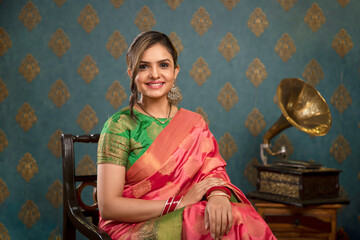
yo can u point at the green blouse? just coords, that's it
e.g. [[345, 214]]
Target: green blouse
[[123, 141]]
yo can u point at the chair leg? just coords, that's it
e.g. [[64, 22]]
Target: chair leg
[[69, 231]]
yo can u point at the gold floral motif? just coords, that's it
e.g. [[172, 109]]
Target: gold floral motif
[[4, 191], [117, 3], [258, 22], [59, 43], [229, 47], [88, 18], [250, 171], [256, 72], [145, 19], [342, 43], [314, 17], [54, 144], [5, 42], [59, 3], [340, 149], [142, 188], [27, 167], [30, 16], [200, 71], [201, 111], [55, 194], [287, 4], [201, 21], [86, 166], [116, 44], [26, 117], [3, 91], [29, 68], [255, 122], [230, 4], [116, 94], [88, 69], [29, 213], [3, 141], [135, 146], [173, 4], [87, 119], [4, 234], [343, 3], [227, 97], [55, 234], [176, 41], [285, 47], [59, 93], [341, 98], [313, 73], [227, 146], [153, 130], [283, 140]]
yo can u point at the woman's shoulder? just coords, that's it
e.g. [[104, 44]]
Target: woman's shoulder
[[120, 121]]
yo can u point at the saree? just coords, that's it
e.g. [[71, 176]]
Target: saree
[[183, 154]]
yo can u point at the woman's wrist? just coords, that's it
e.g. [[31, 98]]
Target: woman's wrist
[[218, 193], [171, 204]]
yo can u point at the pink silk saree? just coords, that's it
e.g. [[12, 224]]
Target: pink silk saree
[[184, 153]]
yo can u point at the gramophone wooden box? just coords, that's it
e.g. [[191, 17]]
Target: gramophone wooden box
[[297, 186]]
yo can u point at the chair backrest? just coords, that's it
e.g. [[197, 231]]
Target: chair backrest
[[76, 213]]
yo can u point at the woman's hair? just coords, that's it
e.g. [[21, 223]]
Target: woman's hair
[[141, 43]]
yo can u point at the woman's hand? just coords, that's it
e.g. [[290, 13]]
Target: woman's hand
[[218, 216], [198, 190]]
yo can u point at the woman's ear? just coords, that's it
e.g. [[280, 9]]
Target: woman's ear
[[177, 70], [129, 72]]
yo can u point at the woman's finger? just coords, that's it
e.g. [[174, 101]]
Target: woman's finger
[[230, 221], [206, 219]]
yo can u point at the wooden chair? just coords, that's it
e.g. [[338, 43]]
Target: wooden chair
[[76, 213]]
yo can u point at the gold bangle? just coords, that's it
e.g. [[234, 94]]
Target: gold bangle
[[218, 194]]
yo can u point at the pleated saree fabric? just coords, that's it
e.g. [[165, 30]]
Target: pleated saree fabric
[[184, 153]]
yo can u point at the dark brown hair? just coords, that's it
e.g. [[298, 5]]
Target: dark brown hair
[[141, 43]]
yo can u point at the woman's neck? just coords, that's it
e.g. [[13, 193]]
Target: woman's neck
[[157, 107]]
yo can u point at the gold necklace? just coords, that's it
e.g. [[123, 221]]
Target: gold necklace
[[162, 122]]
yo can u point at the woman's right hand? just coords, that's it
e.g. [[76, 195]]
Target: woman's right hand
[[198, 190]]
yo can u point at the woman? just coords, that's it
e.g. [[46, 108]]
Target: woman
[[160, 174]]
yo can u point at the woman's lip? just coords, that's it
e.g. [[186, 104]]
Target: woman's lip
[[155, 85]]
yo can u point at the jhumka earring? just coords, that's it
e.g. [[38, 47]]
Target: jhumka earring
[[175, 95]]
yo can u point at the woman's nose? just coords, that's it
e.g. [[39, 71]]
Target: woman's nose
[[154, 73]]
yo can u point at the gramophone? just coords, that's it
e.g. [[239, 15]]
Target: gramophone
[[293, 181]]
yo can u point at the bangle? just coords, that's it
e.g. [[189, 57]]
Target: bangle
[[221, 188], [218, 194], [166, 206], [175, 203], [171, 204]]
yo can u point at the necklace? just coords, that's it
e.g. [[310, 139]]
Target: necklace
[[162, 122]]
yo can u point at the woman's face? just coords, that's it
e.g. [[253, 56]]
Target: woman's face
[[156, 73]]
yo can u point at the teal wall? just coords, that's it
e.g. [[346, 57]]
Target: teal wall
[[43, 187]]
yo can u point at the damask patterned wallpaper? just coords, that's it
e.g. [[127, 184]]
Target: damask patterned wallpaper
[[62, 70]]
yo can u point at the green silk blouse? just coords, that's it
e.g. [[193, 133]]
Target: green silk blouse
[[123, 141]]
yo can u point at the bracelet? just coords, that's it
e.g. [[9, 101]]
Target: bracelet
[[171, 204], [218, 194], [221, 188]]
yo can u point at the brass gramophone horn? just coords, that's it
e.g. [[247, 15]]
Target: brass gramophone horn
[[303, 107]]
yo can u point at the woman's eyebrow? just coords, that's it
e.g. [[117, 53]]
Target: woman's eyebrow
[[163, 60]]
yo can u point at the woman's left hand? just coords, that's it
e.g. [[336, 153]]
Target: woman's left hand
[[218, 216]]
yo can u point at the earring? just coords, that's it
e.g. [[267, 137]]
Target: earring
[[174, 96]]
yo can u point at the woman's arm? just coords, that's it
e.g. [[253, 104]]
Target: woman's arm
[[110, 186]]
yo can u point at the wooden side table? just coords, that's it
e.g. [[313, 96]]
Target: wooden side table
[[293, 222]]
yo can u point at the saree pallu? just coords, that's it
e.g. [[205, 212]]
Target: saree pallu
[[183, 154]]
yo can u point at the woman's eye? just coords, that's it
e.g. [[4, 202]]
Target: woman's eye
[[142, 67], [164, 65]]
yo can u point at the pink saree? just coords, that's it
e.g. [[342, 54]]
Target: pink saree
[[184, 153]]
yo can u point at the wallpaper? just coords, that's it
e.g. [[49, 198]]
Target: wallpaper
[[63, 70]]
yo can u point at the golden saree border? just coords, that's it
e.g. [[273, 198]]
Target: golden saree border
[[163, 146]]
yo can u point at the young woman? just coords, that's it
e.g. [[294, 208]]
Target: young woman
[[160, 174]]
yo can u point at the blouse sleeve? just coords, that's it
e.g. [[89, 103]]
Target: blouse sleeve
[[114, 144]]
